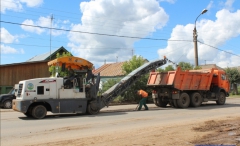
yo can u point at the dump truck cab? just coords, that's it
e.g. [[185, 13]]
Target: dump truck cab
[[220, 80]]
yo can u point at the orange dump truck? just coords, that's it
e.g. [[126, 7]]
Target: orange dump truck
[[188, 88]]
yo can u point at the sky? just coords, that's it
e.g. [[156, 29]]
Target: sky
[[114, 30]]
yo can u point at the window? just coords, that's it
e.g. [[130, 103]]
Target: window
[[40, 90], [223, 77]]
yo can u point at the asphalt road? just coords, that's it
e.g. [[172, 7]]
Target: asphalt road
[[16, 129]]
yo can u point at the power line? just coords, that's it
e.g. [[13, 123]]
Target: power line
[[93, 33], [219, 49]]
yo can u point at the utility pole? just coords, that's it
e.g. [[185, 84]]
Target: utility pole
[[195, 38], [117, 59], [51, 37], [132, 52]]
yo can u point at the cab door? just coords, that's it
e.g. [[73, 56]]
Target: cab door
[[224, 83]]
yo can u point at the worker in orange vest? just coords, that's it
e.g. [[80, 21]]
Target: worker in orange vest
[[143, 101]]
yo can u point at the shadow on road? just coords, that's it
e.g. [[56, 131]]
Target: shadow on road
[[210, 106], [63, 116]]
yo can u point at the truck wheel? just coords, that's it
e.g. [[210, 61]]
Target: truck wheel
[[196, 99], [183, 101], [155, 100], [92, 109], [7, 104], [175, 104], [159, 102], [221, 99], [39, 111]]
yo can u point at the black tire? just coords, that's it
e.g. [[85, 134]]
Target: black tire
[[196, 99], [159, 102], [92, 109], [183, 101], [39, 112], [155, 100], [29, 112], [7, 104], [221, 99], [175, 103]]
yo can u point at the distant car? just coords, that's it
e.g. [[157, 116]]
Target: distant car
[[6, 99]]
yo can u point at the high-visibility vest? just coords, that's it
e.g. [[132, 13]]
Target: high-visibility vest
[[143, 93]]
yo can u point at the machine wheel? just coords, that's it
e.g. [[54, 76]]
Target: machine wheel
[[29, 112], [183, 101], [196, 99], [39, 111], [221, 99], [7, 104], [92, 109]]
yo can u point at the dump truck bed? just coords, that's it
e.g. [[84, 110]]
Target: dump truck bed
[[182, 80]]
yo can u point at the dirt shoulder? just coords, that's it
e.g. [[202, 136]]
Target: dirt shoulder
[[224, 130]]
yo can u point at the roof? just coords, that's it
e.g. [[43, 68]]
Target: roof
[[46, 56], [207, 66], [110, 70], [73, 62]]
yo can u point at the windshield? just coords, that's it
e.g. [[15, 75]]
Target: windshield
[[12, 91]]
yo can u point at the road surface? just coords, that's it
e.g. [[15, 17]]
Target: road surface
[[116, 125]]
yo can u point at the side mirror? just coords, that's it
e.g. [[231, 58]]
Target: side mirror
[[63, 67]]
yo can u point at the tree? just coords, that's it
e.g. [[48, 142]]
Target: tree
[[233, 76], [169, 68], [128, 67], [109, 83], [53, 69], [187, 66]]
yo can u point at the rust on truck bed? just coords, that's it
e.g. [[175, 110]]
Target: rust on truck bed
[[183, 80]]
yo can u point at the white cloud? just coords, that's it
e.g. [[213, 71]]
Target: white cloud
[[6, 37], [43, 22], [128, 18], [17, 5], [30, 28], [9, 50], [228, 4], [32, 3], [215, 33], [14, 5]]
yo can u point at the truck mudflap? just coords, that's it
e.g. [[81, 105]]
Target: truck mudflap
[[20, 106]]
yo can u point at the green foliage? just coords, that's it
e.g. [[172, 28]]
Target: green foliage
[[128, 67], [132, 64], [188, 66], [185, 65], [54, 69], [197, 67], [160, 70], [233, 77], [169, 68], [109, 83]]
